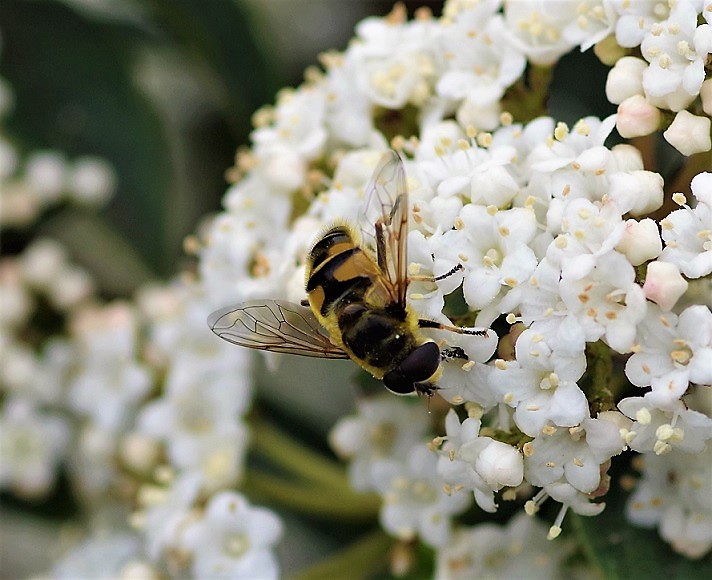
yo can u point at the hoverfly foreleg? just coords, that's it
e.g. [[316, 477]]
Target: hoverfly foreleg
[[452, 271], [452, 352], [422, 323]]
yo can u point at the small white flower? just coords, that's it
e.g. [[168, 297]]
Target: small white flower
[[541, 385], [297, 128], [92, 461], [607, 302], [517, 550], [573, 455], [672, 352], [32, 444], [478, 464], [164, 513], [198, 418], [102, 555], [384, 429], [414, 501], [689, 133], [109, 381], [687, 233], [481, 64], [675, 494], [396, 60], [92, 181], [42, 262], [46, 173], [662, 430], [233, 540], [495, 249], [671, 48], [589, 231], [545, 30], [664, 285]]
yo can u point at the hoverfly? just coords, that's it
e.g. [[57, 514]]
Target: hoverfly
[[356, 285]]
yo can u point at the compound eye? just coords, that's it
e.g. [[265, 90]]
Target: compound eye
[[396, 382], [422, 363]]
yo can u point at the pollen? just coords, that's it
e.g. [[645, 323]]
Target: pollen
[[680, 199], [561, 131], [550, 464], [549, 430], [643, 416]]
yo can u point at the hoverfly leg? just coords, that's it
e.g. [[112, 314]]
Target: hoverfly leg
[[304, 302], [452, 352], [452, 271], [422, 323]]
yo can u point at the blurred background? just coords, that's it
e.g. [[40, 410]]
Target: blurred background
[[164, 91]]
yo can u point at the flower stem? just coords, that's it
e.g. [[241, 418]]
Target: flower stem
[[297, 459], [315, 501], [359, 560], [600, 373]]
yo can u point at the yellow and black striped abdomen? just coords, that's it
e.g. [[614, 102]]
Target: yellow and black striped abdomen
[[338, 271]]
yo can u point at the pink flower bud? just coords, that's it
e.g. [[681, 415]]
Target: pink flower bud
[[637, 117], [664, 284]]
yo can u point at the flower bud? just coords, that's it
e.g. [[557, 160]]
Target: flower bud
[[637, 192], [46, 172], [625, 79], [42, 262], [689, 133], [641, 241], [92, 181], [706, 96], [664, 284], [637, 117], [500, 464]]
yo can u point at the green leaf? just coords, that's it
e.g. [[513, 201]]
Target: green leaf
[[222, 34], [620, 550], [74, 91]]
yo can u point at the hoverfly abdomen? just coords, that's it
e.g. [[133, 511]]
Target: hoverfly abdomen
[[332, 243], [377, 339]]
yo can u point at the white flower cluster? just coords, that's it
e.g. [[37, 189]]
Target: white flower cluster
[[551, 229], [138, 400]]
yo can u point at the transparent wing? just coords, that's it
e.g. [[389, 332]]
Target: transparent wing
[[274, 325], [384, 222]]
